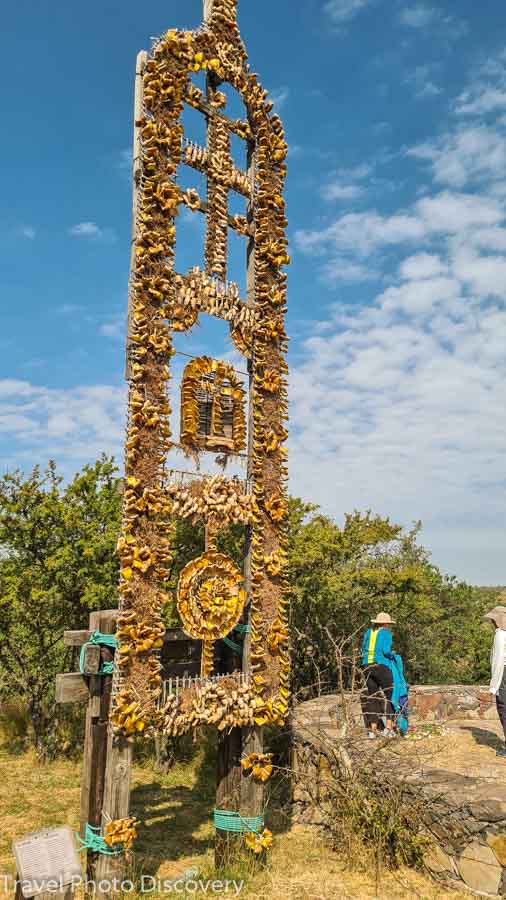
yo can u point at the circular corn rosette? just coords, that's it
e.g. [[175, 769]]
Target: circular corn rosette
[[210, 596]]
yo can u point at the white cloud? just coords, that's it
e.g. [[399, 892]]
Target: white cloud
[[398, 403], [279, 96], [486, 275], [342, 11], [341, 269], [28, 232], [399, 408], [418, 16], [467, 155], [419, 297], [490, 238], [114, 329], [346, 184], [455, 212], [336, 191], [92, 231], [479, 102], [85, 229], [363, 233], [420, 266], [487, 93], [72, 425], [70, 309]]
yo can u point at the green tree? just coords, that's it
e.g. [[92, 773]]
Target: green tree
[[58, 563]]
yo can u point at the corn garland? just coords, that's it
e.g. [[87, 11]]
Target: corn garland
[[226, 704], [214, 499]]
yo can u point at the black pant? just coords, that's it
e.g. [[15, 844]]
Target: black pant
[[377, 698], [500, 699]]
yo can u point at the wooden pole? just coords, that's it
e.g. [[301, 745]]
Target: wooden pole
[[228, 786], [228, 766], [252, 792], [119, 750], [116, 804], [95, 740], [136, 172]]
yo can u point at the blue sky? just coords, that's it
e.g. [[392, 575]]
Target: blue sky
[[395, 113]]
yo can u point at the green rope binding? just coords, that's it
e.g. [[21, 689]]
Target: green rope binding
[[227, 820], [237, 648], [106, 640], [94, 842], [242, 629]]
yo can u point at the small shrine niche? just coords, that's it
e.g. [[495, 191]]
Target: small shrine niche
[[212, 407]]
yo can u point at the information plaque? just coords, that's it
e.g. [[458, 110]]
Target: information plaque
[[47, 861]]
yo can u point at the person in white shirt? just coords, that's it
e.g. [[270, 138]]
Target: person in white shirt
[[498, 666]]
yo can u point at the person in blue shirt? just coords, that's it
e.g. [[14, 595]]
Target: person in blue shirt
[[377, 660]]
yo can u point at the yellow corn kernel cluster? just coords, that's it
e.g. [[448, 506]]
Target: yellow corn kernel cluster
[[121, 832], [258, 842], [259, 765], [127, 715]]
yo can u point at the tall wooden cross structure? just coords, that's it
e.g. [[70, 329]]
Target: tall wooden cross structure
[[216, 599]]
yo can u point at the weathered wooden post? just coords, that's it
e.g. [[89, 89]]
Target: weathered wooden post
[[119, 752], [96, 689]]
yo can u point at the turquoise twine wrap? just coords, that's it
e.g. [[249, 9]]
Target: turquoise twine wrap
[[237, 648], [227, 820], [106, 640], [242, 629], [94, 842]]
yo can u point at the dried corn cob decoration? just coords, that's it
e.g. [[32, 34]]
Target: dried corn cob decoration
[[224, 383], [210, 596], [121, 832], [163, 302], [259, 765], [225, 704], [258, 842], [215, 499], [219, 171]]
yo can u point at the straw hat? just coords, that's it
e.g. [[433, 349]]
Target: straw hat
[[498, 615], [384, 619]]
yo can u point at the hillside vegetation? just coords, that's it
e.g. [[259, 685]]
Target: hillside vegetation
[[58, 563]]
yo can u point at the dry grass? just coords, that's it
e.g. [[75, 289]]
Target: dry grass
[[176, 833]]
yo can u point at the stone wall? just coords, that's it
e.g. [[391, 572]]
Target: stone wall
[[465, 814], [435, 703]]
